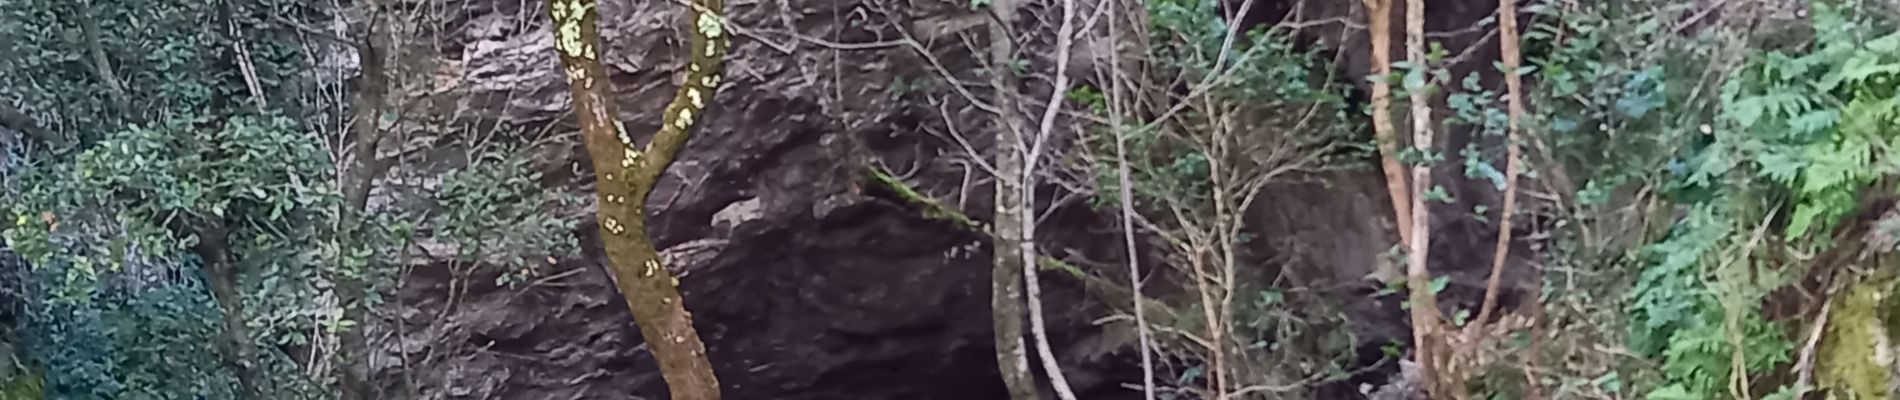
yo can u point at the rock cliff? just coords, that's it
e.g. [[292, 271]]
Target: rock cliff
[[807, 280]]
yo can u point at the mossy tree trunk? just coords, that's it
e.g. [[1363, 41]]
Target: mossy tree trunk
[[626, 173]]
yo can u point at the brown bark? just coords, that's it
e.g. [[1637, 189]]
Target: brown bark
[[221, 272], [1513, 86], [15, 119], [102, 65], [367, 107], [626, 175], [1379, 19]]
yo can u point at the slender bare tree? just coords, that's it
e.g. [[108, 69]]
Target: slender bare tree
[[1424, 304], [1513, 89], [1037, 145], [1006, 274], [1117, 106]]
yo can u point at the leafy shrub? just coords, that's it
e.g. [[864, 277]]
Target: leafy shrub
[[123, 309], [494, 210]]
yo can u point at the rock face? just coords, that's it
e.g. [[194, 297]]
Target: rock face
[[806, 281]]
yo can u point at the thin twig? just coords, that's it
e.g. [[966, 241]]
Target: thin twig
[[838, 45], [1804, 366]]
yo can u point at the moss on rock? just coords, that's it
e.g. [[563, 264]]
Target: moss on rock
[[1857, 353]]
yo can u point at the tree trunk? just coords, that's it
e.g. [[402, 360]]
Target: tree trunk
[[1006, 274], [213, 248], [1117, 98], [102, 65], [626, 174], [352, 287], [1513, 84], [1424, 303], [1379, 18], [1038, 328]]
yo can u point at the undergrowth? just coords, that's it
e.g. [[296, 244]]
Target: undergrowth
[[1740, 163]]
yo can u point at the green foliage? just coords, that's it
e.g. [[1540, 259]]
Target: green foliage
[[1758, 152], [1744, 143], [28, 385], [113, 299], [493, 210], [1699, 360], [1821, 123], [149, 330], [1262, 75], [119, 345], [1237, 116], [255, 171], [122, 300], [171, 58], [1616, 92], [1668, 293]]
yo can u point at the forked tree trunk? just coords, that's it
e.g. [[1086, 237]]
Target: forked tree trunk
[[625, 175]]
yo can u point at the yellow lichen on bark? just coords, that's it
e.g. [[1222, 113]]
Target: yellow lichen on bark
[[627, 173]]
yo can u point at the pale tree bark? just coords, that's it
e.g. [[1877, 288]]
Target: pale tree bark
[[1031, 281], [1117, 95], [1424, 303], [1006, 274], [626, 173]]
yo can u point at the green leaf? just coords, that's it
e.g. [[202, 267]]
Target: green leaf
[[1746, 112], [1438, 194], [1672, 392], [1803, 218], [1781, 166], [1814, 121], [1414, 81]]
